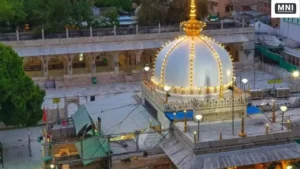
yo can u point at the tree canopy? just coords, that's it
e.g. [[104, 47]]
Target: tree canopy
[[119, 4], [49, 14], [21, 99], [152, 12]]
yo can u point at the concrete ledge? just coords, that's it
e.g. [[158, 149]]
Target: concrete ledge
[[122, 38]]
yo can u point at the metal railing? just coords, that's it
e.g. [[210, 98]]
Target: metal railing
[[21, 36]]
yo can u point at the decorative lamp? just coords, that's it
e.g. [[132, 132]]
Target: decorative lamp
[[167, 88], [146, 68], [283, 109], [296, 73], [199, 118], [185, 122], [244, 81]]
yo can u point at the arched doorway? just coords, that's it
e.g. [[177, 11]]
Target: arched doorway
[[79, 63], [104, 62], [148, 57], [56, 66], [33, 66]]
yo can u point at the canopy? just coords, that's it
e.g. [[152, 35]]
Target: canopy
[[93, 148], [81, 119], [252, 110], [180, 115]]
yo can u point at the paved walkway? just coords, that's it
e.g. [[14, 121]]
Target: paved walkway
[[100, 91], [16, 152]]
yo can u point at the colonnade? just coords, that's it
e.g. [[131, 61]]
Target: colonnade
[[88, 63]]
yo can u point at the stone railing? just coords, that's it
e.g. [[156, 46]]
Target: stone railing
[[194, 104], [206, 104], [151, 95], [21, 36]]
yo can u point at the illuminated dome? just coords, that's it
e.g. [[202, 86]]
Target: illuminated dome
[[193, 61]]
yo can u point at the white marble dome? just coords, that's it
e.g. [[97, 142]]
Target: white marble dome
[[193, 62]]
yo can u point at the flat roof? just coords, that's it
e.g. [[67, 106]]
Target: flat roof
[[185, 159], [120, 114]]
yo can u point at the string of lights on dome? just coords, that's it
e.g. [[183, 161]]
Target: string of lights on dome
[[192, 55], [193, 28], [217, 57], [167, 56]]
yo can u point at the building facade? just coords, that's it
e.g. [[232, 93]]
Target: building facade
[[289, 28], [104, 59]]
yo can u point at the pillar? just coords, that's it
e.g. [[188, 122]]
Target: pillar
[[69, 59], [116, 62], [138, 54], [92, 60], [45, 61]]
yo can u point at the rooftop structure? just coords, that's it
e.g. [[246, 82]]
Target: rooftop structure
[[193, 82]]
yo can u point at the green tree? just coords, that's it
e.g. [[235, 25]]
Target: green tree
[[153, 11], [53, 15], [21, 99], [12, 13], [119, 4], [81, 12]]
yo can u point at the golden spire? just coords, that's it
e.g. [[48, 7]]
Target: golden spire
[[193, 27], [193, 10]]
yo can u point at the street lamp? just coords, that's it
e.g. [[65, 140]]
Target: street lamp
[[167, 89], [283, 109], [296, 75], [174, 119], [289, 167], [199, 118], [146, 69], [244, 81], [232, 94], [52, 166], [185, 122], [273, 112]]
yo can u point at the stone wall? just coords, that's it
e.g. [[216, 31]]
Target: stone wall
[[86, 79]]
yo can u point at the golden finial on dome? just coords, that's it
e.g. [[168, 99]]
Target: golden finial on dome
[[193, 27]]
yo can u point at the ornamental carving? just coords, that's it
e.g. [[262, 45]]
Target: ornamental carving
[[200, 91], [191, 91]]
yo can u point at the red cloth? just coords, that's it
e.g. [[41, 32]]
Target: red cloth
[[45, 115]]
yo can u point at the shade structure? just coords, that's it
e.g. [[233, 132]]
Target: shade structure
[[92, 148], [180, 115], [253, 110], [81, 119]]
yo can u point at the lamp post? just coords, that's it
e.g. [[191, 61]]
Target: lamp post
[[244, 83], [52, 166], [185, 122], [273, 113], [146, 69], [174, 119], [296, 75], [242, 133], [166, 89], [283, 109], [199, 118], [232, 94]]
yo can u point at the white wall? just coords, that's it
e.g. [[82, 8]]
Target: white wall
[[290, 30]]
